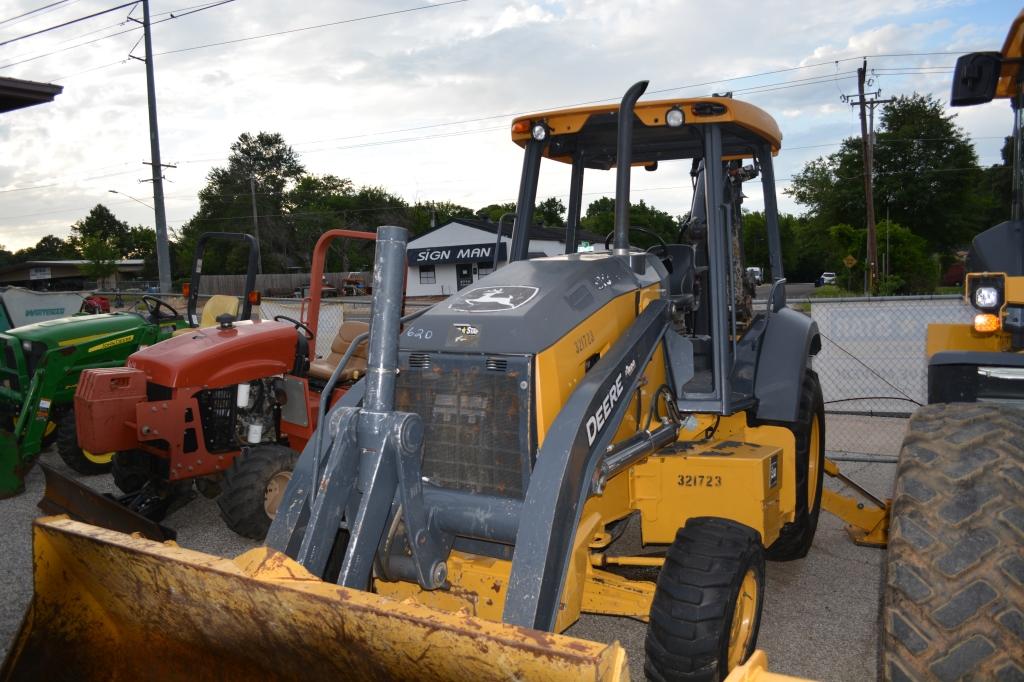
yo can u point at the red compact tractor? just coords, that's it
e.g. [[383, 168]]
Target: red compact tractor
[[228, 408]]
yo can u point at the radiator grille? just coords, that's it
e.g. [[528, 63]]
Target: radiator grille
[[217, 413], [476, 422]]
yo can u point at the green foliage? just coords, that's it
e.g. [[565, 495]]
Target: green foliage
[[926, 177], [600, 218], [226, 204], [101, 255], [47, 248], [550, 213], [755, 245], [493, 212]]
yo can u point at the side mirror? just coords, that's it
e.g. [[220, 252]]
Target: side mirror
[[975, 78]]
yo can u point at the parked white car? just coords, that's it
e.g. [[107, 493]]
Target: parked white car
[[827, 278]]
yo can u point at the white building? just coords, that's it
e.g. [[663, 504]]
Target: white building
[[453, 256]]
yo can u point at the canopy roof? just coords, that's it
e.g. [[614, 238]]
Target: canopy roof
[[592, 131]]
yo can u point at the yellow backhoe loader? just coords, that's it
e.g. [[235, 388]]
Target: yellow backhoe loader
[[460, 506]]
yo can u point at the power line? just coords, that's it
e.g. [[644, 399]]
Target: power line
[[67, 23], [171, 15], [310, 28], [38, 9]]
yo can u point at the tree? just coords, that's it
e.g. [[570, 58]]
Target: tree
[[422, 217], [493, 212], [600, 218], [926, 176], [47, 248], [101, 255], [225, 204], [550, 213], [101, 224]]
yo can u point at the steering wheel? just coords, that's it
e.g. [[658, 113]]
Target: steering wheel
[[298, 325], [153, 306], [650, 233]]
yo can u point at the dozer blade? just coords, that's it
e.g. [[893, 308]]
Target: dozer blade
[[114, 607], [65, 495]]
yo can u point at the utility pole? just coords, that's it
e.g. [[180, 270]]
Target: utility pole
[[163, 258], [256, 225], [867, 147]]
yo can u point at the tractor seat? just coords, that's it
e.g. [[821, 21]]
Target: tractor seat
[[681, 274], [356, 367], [216, 306]]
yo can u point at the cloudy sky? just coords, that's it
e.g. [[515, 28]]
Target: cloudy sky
[[417, 97]]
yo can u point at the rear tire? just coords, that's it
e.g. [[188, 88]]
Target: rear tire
[[954, 585], [795, 538], [130, 470], [80, 460], [707, 604], [253, 487]]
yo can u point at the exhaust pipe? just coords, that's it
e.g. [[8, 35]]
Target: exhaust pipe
[[623, 166]]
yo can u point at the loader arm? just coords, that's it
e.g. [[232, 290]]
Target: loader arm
[[566, 473]]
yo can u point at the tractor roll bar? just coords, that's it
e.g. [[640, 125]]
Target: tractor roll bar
[[316, 275], [197, 270]]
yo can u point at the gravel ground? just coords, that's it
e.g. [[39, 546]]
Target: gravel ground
[[820, 616]]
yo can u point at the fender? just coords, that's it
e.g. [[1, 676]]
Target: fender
[[790, 339]]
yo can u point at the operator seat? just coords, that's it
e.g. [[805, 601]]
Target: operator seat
[[216, 306], [356, 367], [682, 272]]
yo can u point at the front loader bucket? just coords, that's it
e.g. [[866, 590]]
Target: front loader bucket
[[115, 607]]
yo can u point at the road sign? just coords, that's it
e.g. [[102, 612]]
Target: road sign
[[849, 261]]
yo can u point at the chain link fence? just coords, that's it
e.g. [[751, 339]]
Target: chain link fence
[[872, 365]]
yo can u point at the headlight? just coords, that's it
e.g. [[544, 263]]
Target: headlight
[[26, 346], [539, 132], [986, 297], [674, 117]]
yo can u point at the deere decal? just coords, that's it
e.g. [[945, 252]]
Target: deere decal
[[113, 342]]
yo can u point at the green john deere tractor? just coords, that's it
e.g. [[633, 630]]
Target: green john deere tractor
[[40, 365]]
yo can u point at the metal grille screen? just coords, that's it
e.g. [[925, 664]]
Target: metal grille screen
[[474, 418]]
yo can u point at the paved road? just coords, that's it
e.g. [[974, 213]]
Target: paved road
[[794, 291], [820, 617]]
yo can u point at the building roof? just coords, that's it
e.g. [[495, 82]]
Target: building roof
[[16, 93], [124, 263], [538, 232]]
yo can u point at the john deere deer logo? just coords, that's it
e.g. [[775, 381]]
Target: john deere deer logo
[[493, 299]]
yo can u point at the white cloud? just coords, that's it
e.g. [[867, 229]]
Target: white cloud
[[346, 96]]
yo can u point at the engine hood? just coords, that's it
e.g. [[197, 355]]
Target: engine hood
[[528, 305], [78, 329], [215, 357]]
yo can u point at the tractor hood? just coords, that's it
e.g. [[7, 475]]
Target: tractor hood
[[528, 305], [216, 357], [78, 329]]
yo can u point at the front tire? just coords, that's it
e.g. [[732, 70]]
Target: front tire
[[130, 470], [707, 604], [795, 538], [254, 486], [954, 585], [82, 461]]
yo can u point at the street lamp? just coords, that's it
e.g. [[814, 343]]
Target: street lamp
[[114, 191]]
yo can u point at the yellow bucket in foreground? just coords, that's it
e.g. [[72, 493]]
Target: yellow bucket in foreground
[[116, 607]]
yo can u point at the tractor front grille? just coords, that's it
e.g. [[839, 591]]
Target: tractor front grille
[[476, 415]]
